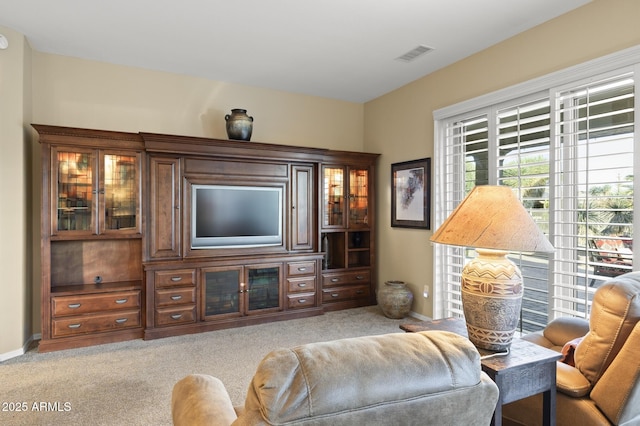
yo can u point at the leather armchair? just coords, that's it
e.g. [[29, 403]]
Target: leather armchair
[[432, 377], [603, 388]]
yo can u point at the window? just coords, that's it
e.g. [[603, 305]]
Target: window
[[567, 151]]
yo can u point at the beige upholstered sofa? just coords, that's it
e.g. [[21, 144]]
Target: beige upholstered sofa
[[428, 378], [603, 388]]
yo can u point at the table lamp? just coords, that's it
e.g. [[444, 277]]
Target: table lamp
[[494, 222]]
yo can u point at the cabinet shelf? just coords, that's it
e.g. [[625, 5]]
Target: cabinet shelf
[[64, 290]]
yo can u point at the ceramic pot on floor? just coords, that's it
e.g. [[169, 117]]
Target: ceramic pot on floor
[[395, 299]]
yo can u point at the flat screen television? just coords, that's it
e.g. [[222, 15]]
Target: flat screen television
[[236, 216]]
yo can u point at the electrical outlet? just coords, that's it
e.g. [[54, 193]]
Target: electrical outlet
[[425, 292]]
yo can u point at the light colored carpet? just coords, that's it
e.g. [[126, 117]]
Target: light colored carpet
[[130, 383]]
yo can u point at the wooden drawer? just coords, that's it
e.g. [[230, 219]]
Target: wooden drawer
[[175, 277], [95, 323], [175, 296], [338, 279], [296, 301], [301, 285], [176, 315], [90, 303], [345, 293], [301, 268]]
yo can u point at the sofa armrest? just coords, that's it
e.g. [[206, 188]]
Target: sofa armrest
[[570, 381], [564, 329], [558, 332], [199, 399]]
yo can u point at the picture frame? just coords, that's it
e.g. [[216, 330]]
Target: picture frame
[[411, 194]]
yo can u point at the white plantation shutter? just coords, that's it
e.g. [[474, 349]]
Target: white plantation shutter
[[523, 141], [465, 163], [568, 153], [594, 170]]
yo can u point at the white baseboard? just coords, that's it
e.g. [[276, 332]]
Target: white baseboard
[[8, 355], [419, 316]]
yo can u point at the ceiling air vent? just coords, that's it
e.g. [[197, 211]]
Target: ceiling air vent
[[414, 53]]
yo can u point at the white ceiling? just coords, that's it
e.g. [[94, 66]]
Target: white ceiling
[[340, 49]]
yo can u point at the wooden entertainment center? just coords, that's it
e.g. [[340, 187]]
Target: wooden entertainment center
[[124, 255]]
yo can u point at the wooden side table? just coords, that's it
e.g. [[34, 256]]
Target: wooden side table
[[527, 370]]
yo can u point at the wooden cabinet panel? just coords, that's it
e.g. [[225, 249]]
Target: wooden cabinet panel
[[301, 268], [338, 279], [175, 296], [301, 285], [164, 222], [298, 301], [76, 305], [94, 323], [175, 277], [302, 230], [176, 315], [337, 294]]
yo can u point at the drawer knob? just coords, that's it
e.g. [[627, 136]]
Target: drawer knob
[[176, 316], [302, 300], [74, 326], [359, 277], [335, 280], [302, 269], [335, 294], [121, 320], [74, 305], [302, 285], [176, 297], [176, 279], [121, 301]]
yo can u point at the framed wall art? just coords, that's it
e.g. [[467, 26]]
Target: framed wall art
[[411, 194]]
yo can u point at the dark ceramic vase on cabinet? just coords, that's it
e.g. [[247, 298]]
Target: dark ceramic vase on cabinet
[[239, 125]]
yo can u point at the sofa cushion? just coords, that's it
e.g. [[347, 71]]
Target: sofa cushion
[[614, 313], [321, 379]]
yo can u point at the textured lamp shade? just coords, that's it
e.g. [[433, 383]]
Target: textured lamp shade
[[492, 220], [492, 217]]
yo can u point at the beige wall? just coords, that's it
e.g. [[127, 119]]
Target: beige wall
[[80, 93], [400, 124], [15, 307]]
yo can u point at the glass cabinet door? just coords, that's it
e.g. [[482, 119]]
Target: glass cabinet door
[[96, 192], [75, 190], [333, 197], [358, 197], [222, 291], [120, 200], [240, 290], [263, 290]]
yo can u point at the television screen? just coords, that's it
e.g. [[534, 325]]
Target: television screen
[[232, 216]]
